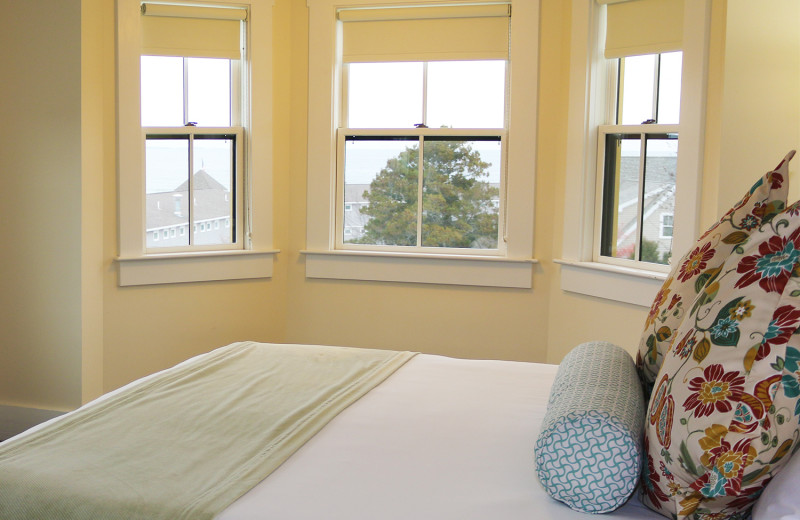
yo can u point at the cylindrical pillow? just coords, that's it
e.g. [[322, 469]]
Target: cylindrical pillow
[[588, 454]]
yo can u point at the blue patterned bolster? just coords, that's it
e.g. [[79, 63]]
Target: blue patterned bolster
[[588, 453]]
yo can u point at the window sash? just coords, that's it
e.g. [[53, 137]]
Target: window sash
[[601, 214], [238, 216], [420, 134]]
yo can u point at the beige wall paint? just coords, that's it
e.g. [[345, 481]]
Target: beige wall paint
[[67, 325], [760, 114], [96, 108], [40, 203]]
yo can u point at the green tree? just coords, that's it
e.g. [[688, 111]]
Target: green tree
[[650, 252], [457, 205]]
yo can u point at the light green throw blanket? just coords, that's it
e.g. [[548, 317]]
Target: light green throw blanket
[[189, 441]]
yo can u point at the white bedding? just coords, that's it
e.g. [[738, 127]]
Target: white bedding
[[441, 439]]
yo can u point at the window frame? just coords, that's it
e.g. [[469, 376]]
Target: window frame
[[420, 133], [237, 190], [602, 131], [324, 260], [136, 265], [590, 83]]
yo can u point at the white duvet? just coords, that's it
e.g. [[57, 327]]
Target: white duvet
[[442, 438]]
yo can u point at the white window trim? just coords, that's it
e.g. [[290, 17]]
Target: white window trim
[[136, 267], [587, 110], [324, 261]]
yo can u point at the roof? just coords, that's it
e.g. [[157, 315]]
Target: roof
[[211, 201]]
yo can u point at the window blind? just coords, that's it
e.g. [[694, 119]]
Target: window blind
[[463, 32], [183, 30], [636, 27]]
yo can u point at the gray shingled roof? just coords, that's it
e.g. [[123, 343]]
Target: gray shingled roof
[[211, 200]]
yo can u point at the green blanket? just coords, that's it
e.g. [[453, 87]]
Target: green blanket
[[189, 441]]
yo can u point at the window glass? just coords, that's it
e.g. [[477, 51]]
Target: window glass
[[650, 89], [173, 201], [166, 188], [661, 161], [621, 195], [385, 95], [461, 194], [209, 91], [636, 91], [162, 91], [381, 179], [212, 180], [466, 94], [636, 195], [669, 88]]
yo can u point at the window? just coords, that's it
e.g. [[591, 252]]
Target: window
[[666, 225], [414, 174], [190, 113], [638, 158], [639, 75], [186, 123]]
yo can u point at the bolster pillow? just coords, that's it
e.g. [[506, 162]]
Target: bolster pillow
[[588, 454]]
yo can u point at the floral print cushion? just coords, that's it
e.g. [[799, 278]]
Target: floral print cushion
[[692, 272], [725, 414]]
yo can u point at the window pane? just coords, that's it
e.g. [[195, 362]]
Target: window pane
[[381, 179], [466, 94], [635, 103], [162, 91], [166, 191], [385, 95], [669, 88], [461, 198], [209, 92], [659, 197], [212, 181], [620, 195]]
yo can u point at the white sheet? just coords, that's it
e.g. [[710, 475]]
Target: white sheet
[[441, 439]]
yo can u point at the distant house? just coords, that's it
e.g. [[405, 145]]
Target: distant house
[[658, 207], [168, 214], [354, 220]]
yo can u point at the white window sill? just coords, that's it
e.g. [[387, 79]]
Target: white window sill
[[165, 268], [622, 284], [484, 271]]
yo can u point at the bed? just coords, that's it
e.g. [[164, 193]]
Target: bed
[[439, 438]]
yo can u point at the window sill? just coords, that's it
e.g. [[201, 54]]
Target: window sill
[[621, 284], [483, 271], [166, 268]]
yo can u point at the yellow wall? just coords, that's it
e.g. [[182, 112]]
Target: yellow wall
[[69, 332], [40, 203]]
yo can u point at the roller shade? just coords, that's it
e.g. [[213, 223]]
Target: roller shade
[[178, 30], [636, 27], [464, 32]]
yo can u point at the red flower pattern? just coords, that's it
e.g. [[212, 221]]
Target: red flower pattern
[[714, 391], [696, 261]]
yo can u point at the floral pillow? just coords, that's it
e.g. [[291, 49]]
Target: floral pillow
[[693, 271], [725, 414]]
